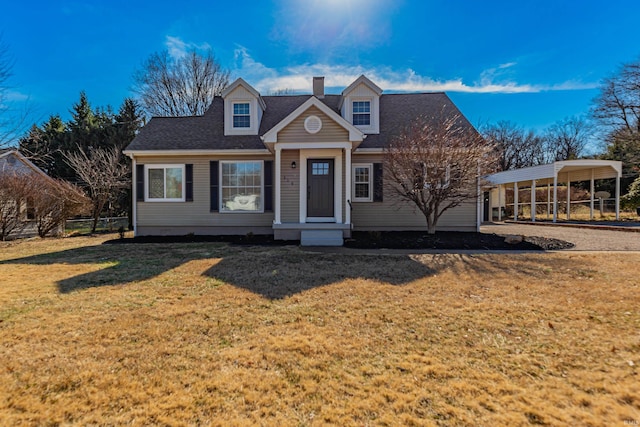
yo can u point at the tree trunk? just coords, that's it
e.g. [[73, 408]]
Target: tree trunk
[[431, 224]]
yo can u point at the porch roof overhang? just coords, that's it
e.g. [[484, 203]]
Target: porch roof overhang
[[562, 171], [356, 136]]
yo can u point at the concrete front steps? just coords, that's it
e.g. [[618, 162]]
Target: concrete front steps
[[321, 238]]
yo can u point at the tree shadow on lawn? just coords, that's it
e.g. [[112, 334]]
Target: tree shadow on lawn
[[279, 274], [122, 264], [273, 272]]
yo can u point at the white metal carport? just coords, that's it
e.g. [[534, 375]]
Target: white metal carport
[[551, 174]]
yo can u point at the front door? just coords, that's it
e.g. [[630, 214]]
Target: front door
[[320, 188]]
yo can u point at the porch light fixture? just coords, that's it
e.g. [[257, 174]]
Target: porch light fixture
[[293, 164]]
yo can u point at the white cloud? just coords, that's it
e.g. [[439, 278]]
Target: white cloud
[[178, 48], [298, 78]]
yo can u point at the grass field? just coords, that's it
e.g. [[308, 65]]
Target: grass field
[[209, 334]]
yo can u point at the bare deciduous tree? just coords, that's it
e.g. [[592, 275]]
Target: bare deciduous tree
[[516, 147], [53, 201], [103, 175], [617, 110], [436, 163], [182, 86], [567, 139], [618, 104]]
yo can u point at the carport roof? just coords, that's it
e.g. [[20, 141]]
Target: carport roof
[[565, 171]]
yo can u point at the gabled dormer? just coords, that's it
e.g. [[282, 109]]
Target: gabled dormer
[[243, 108], [360, 105]]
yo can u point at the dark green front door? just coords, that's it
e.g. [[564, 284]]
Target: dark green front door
[[320, 188]]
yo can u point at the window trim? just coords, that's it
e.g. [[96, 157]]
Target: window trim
[[233, 115], [164, 167], [440, 185], [353, 182], [221, 206], [362, 99]]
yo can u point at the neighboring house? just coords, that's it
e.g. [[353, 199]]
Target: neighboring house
[[13, 162], [303, 167]]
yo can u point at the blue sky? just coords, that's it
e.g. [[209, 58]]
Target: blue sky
[[531, 62]]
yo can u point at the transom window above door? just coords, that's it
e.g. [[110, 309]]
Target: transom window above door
[[320, 168]]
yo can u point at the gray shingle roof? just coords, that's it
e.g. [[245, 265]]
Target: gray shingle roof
[[207, 131]]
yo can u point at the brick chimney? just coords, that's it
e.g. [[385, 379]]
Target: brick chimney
[[318, 87]]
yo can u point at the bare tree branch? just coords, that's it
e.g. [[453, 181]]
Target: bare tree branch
[[102, 173], [179, 87], [54, 201], [436, 163], [567, 139]]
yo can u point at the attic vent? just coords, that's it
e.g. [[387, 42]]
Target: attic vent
[[313, 124]]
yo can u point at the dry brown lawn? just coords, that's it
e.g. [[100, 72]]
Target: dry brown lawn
[[210, 334]]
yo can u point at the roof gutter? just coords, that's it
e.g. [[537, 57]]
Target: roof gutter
[[234, 152]]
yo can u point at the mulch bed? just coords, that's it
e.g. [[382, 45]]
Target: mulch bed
[[380, 240], [449, 240]]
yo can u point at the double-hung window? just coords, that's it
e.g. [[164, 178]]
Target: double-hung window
[[241, 186], [362, 182], [241, 115], [361, 113], [165, 183], [432, 176]]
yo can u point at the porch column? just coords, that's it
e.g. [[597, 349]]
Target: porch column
[[515, 201], [347, 185], [591, 190], [618, 197], [533, 200], [568, 197], [555, 196], [277, 219]]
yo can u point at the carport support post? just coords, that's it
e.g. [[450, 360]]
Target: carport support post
[[568, 197], [592, 189], [515, 201], [548, 199], [618, 197], [555, 197], [499, 202], [533, 201]]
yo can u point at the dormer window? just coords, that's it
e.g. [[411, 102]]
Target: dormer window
[[243, 109], [361, 113], [241, 115], [360, 105]]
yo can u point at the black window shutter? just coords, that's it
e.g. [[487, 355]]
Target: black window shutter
[[189, 183], [140, 183], [377, 182], [213, 184], [268, 185]]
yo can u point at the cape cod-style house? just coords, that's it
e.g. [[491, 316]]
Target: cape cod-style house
[[305, 167]]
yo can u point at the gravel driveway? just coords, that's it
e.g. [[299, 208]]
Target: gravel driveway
[[585, 239]]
